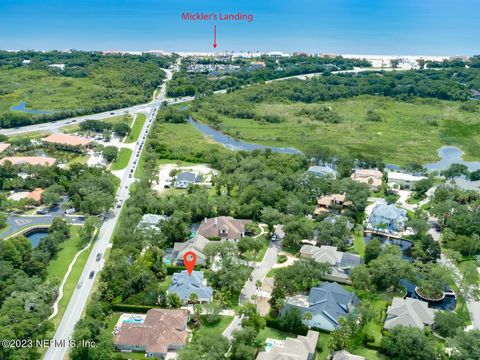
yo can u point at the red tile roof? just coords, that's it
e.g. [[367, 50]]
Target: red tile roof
[[64, 139]]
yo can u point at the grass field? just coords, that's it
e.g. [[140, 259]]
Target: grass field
[[72, 128], [272, 333], [136, 128], [122, 161], [59, 265], [407, 130], [214, 329]]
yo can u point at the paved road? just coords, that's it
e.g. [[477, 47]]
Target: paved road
[[81, 295]]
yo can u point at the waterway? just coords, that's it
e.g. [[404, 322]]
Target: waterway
[[451, 155], [22, 107], [448, 303], [234, 144], [35, 236]]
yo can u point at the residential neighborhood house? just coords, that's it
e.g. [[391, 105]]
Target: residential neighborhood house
[[301, 348], [183, 284], [388, 218], [345, 355], [184, 179], [409, 312], [403, 180], [371, 177], [223, 227], [322, 170], [151, 222], [327, 303], [195, 245], [342, 262], [334, 203], [162, 331]]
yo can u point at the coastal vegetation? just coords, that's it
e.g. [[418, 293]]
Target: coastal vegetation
[[86, 82]]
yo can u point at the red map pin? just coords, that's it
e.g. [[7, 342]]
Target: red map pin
[[189, 259]]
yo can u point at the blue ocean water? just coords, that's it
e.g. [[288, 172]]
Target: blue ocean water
[[427, 27]]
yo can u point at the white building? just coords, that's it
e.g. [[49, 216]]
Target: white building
[[403, 180]]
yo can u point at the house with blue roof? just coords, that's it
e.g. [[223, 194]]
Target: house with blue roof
[[183, 284], [388, 218], [327, 304]]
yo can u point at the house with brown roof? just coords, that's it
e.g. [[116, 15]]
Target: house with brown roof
[[67, 142], [223, 227], [371, 177], [35, 195], [4, 146], [31, 160], [160, 332], [334, 203]]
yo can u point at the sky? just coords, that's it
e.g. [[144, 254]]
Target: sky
[[390, 27]]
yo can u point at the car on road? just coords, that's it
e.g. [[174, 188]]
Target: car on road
[[99, 256], [130, 175], [42, 212], [92, 274], [80, 283], [112, 113]]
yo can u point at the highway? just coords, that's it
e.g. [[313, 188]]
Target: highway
[[81, 294]]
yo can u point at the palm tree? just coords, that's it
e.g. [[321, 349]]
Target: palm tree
[[193, 298], [308, 316]]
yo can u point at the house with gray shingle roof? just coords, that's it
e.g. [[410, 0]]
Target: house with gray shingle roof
[[345, 355], [151, 222], [184, 179], [195, 245], [301, 348], [342, 262], [322, 170], [409, 312], [327, 303], [183, 284], [387, 218]]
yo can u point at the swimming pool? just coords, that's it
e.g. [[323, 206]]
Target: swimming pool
[[133, 321]]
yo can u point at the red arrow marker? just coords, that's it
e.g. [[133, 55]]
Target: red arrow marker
[[189, 259], [214, 36]]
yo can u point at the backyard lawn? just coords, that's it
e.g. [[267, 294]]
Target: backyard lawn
[[214, 329], [136, 128], [122, 160], [272, 333]]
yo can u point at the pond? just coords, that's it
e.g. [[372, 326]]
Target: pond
[[448, 303], [234, 144], [22, 107], [451, 155], [405, 245], [35, 235]]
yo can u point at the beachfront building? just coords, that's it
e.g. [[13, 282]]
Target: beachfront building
[[161, 333], [371, 177], [403, 180], [29, 160], [327, 303], [388, 218], [342, 263], [184, 284], [299, 348], [223, 227], [67, 142]]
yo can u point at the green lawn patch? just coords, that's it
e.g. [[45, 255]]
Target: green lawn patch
[[272, 333], [359, 243], [136, 128], [72, 280], [166, 282], [218, 328], [122, 160]]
